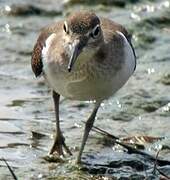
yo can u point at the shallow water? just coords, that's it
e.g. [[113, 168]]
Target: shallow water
[[141, 107]]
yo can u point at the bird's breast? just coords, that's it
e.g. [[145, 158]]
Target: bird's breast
[[89, 79]]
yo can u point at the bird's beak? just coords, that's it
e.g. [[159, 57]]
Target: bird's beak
[[75, 49]]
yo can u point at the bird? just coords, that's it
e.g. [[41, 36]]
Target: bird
[[83, 57]]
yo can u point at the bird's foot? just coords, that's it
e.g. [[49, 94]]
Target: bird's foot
[[59, 145], [58, 150], [55, 158]]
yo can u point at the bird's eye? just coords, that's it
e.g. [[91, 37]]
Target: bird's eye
[[96, 32], [65, 27]]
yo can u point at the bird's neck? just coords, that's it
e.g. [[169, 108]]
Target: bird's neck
[[85, 56]]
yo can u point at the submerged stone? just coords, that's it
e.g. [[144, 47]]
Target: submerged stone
[[29, 10], [165, 79], [120, 3], [145, 40], [152, 106]]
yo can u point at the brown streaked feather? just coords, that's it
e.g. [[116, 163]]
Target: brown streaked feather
[[81, 27], [36, 60], [82, 22]]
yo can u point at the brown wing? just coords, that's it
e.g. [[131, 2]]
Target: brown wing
[[113, 26], [36, 60], [106, 23]]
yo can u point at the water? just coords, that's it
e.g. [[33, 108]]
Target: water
[[141, 107]]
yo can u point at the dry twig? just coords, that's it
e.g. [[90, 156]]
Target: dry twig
[[129, 148], [157, 169], [10, 169]]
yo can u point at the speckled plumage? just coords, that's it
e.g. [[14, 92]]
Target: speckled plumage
[[81, 24], [56, 27], [85, 57]]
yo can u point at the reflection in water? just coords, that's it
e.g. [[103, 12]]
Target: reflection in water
[[151, 70], [166, 108], [7, 8]]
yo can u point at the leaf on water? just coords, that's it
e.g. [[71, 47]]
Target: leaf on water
[[17, 102], [37, 135], [141, 139]]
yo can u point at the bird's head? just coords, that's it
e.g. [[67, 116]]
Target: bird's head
[[82, 33]]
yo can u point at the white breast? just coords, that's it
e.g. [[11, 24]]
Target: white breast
[[130, 59], [45, 50], [77, 85]]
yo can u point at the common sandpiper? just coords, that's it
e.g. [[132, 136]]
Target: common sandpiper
[[84, 57]]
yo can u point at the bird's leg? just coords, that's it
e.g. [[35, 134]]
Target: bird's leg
[[59, 142], [88, 126]]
